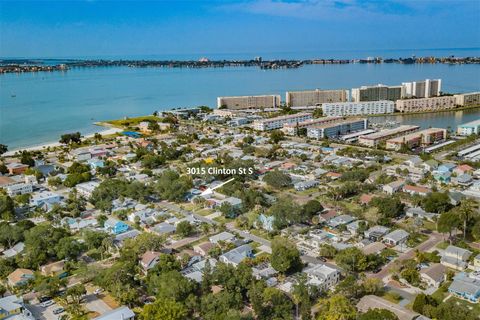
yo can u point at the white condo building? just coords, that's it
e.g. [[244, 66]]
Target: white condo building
[[422, 89], [278, 122], [341, 109]]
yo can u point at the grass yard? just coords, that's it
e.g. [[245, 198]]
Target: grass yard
[[124, 123]]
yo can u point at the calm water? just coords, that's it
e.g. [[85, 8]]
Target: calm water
[[49, 104]]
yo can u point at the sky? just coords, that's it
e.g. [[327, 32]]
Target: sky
[[95, 28]]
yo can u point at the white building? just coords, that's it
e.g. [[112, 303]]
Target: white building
[[19, 188], [341, 109], [322, 276], [422, 89], [86, 188], [469, 128], [278, 122], [45, 197]]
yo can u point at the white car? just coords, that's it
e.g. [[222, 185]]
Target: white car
[[47, 303], [97, 291]]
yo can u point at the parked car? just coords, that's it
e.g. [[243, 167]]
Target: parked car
[[47, 303], [58, 310], [43, 299], [98, 291]]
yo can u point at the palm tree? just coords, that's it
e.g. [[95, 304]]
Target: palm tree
[[467, 211]]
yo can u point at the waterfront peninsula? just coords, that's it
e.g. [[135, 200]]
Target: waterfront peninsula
[[25, 65]]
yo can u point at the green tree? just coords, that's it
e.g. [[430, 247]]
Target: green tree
[[336, 308], [437, 202], [276, 136], [352, 259], [467, 213], [448, 222], [285, 256], [7, 207], [184, 229], [166, 309], [311, 208], [277, 179], [3, 149]]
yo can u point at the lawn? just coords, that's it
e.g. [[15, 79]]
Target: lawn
[[443, 245], [122, 123]]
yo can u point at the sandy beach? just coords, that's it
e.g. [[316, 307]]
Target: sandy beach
[[56, 144]]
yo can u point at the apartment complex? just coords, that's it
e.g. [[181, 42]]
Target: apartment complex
[[426, 104], [377, 93], [422, 89], [416, 139], [468, 99], [292, 128], [337, 129], [469, 128], [249, 102], [278, 122], [372, 140], [341, 109], [314, 97]]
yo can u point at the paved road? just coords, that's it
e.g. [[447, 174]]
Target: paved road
[[434, 239]]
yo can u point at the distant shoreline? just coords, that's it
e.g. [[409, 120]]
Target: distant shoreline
[[32, 65]]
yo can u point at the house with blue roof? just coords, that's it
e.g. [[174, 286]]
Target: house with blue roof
[[465, 287], [115, 226], [446, 167], [236, 256]]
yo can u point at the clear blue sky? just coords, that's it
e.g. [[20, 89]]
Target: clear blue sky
[[101, 28]]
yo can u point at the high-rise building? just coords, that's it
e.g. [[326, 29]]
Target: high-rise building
[[377, 93], [342, 109], [249, 102], [422, 89], [314, 97]]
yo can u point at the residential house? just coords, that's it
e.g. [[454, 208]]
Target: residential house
[[322, 276], [203, 248], [465, 287], [376, 233], [463, 169], [413, 190], [237, 255], [16, 168], [149, 260], [373, 248], [13, 307], [120, 313], [20, 277], [396, 237], [266, 221], [455, 257], [434, 275], [305, 185], [393, 187], [464, 180], [415, 161], [222, 236], [164, 228], [45, 197], [115, 226], [446, 167], [341, 220], [86, 189], [417, 212], [476, 262], [430, 165], [53, 269], [13, 251]]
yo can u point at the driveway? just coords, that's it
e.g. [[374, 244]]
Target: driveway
[[434, 239], [41, 313], [95, 304]]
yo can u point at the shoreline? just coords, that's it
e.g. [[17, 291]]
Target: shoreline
[[40, 147]]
